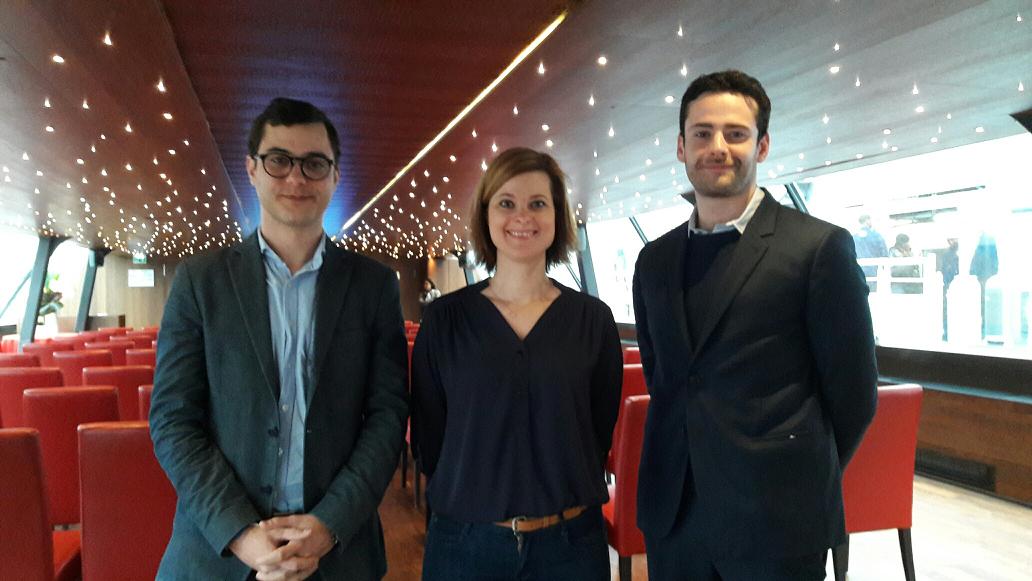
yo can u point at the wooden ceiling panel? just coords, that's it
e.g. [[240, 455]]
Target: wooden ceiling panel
[[390, 74], [85, 141], [967, 57]]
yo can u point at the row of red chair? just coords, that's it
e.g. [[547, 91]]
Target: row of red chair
[[126, 510], [125, 379], [877, 486]]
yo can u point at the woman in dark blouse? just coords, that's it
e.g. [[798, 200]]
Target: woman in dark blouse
[[516, 388]]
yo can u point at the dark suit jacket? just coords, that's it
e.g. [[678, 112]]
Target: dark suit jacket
[[752, 424], [213, 414]]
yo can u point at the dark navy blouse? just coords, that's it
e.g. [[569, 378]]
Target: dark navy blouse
[[506, 427]]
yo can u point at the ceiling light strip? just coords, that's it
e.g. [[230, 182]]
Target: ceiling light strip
[[462, 115]]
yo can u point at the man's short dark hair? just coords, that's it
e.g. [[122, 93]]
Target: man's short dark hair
[[284, 111], [729, 82]]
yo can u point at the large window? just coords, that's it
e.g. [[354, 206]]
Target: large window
[[662, 220], [16, 260], [63, 289], [952, 272], [614, 248]]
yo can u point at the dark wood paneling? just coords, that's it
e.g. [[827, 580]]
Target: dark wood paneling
[[992, 431]]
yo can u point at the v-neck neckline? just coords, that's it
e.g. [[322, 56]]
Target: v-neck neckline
[[505, 322]]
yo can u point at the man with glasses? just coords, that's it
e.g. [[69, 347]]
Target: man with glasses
[[279, 399]]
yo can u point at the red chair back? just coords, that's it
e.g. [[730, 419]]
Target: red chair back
[[26, 543], [146, 356], [77, 343], [91, 336], [19, 360], [633, 384], [113, 331], [56, 413], [631, 355], [71, 363], [117, 347], [143, 401], [141, 339], [45, 351], [878, 483], [15, 380], [621, 511], [128, 379], [127, 502]]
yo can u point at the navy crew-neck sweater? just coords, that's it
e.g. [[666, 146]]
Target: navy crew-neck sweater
[[707, 258]]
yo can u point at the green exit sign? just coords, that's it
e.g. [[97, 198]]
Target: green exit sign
[[139, 259]]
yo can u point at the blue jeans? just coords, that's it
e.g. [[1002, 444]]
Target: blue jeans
[[573, 550]]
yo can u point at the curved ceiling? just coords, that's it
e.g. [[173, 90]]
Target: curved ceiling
[[93, 149], [934, 74], [113, 170]]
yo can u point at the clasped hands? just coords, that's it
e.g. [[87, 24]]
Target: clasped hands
[[283, 548]]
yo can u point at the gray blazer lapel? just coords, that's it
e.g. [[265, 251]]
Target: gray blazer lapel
[[247, 276], [675, 286], [330, 291], [746, 255]]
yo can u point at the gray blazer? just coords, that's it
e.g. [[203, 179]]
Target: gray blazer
[[213, 411], [754, 421]]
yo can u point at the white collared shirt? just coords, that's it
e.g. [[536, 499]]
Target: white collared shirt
[[738, 223]]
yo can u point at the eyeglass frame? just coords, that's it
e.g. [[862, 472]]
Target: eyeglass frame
[[299, 161]]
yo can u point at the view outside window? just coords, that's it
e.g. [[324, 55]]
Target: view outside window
[[564, 274], [16, 260], [62, 290], [945, 240], [614, 248], [658, 222]]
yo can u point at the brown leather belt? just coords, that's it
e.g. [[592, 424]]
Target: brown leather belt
[[522, 524]]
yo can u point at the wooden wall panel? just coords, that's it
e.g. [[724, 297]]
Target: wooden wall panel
[[993, 431], [142, 307]]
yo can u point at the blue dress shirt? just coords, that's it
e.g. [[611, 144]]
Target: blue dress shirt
[[292, 318]]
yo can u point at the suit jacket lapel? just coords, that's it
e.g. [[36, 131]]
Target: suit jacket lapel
[[747, 254], [247, 276], [330, 290], [675, 285]]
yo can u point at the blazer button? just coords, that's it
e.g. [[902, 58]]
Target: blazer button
[[274, 432], [267, 489]]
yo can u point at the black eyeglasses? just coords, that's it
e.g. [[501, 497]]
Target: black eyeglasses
[[279, 165]]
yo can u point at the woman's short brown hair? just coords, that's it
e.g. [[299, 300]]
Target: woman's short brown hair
[[509, 164]]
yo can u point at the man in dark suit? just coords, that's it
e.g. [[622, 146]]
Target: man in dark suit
[[279, 399], [757, 346]]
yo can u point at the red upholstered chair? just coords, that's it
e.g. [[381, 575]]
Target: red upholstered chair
[[141, 339], [631, 355], [15, 380], [74, 340], [117, 347], [56, 413], [45, 351], [128, 379], [143, 394], [633, 384], [113, 331], [9, 344], [127, 502], [29, 549], [91, 336], [621, 512], [71, 363], [878, 483], [146, 356], [19, 360]]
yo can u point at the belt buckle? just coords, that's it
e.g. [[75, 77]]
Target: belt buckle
[[516, 520]]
